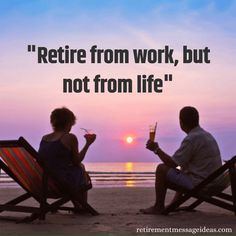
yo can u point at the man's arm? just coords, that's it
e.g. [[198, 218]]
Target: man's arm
[[153, 146], [165, 158]]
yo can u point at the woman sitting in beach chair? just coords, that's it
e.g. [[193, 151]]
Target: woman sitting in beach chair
[[60, 155]]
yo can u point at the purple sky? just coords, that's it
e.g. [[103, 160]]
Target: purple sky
[[30, 91]]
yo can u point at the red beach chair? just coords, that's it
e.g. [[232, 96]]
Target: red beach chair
[[19, 160]]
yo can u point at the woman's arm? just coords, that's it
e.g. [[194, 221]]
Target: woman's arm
[[72, 142]]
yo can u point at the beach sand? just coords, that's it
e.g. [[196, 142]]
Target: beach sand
[[119, 214]]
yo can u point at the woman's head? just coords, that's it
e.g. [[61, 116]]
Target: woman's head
[[62, 118]]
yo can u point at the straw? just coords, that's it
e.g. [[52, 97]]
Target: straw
[[155, 127], [86, 130]]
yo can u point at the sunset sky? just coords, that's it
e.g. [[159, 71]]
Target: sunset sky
[[30, 91]]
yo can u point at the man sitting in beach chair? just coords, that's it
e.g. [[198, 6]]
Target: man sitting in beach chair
[[198, 156]]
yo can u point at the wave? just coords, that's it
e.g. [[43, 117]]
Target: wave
[[104, 179]]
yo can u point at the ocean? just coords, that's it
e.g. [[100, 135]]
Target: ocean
[[108, 175]]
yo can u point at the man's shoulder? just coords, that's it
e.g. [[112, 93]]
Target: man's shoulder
[[199, 134], [202, 138]]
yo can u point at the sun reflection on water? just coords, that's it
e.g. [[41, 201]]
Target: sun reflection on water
[[130, 183], [129, 167]]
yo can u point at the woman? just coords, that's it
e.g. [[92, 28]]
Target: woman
[[59, 153]]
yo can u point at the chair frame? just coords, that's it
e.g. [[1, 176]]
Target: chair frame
[[44, 207], [223, 200]]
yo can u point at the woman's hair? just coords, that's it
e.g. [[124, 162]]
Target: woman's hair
[[61, 117]]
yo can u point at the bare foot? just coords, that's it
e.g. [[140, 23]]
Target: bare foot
[[152, 211]]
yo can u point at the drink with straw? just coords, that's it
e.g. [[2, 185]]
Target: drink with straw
[[89, 135], [152, 132]]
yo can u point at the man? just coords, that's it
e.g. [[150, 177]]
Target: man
[[198, 156]]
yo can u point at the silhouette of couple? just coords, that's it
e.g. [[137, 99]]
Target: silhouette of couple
[[197, 157]]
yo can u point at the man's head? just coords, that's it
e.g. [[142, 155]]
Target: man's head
[[189, 118]]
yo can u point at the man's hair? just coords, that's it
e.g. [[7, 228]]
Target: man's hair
[[189, 116], [61, 117]]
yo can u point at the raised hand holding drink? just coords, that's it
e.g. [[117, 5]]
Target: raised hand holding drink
[[89, 136]]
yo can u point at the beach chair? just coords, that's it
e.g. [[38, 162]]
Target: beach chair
[[19, 160], [209, 190]]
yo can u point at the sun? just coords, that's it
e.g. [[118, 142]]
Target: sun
[[129, 139]]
